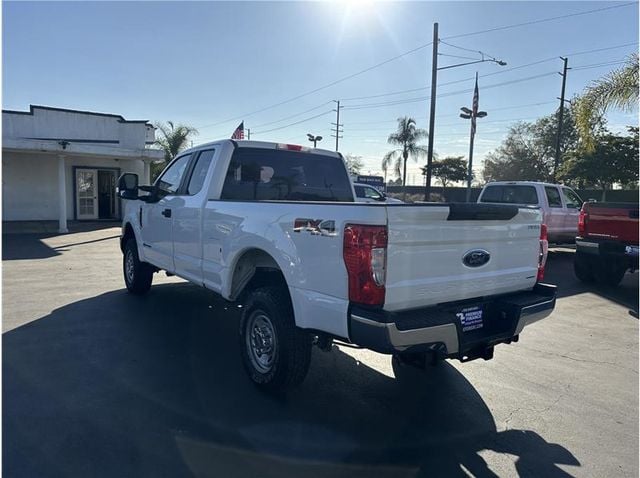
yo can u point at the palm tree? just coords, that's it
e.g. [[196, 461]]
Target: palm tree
[[618, 89], [407, 137], [174, 139]]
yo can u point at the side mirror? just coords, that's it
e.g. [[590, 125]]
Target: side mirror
[[127, 186]]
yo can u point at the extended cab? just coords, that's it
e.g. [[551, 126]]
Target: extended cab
[[559, 204], [276, 228], [607, 242]]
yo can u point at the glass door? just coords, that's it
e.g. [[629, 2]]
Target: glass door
[[86, 193]]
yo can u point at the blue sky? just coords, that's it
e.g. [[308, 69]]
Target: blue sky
[[202, 63]]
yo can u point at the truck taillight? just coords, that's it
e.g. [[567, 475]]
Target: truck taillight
[[582, 222], [365, 256], [544, 248]]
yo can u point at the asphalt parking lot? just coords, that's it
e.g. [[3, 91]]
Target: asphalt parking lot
[[97, 383]]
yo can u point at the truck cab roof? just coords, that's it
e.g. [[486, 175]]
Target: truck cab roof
[[266, 145]]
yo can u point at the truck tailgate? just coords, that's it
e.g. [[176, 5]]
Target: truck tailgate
[[428, 244]]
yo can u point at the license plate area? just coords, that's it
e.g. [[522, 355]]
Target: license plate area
[[471, 318]]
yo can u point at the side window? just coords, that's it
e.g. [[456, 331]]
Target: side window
[[169, 182], [571, 199], [492, 194], [200, 172], [553, 196], [372, 193], [359, 191]]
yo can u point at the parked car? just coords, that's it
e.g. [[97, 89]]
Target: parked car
[[607, 242], [276, 228], [367, 193], [560, 205]]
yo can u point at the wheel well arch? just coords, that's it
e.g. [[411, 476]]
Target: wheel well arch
[[254, 268], [128, 234]]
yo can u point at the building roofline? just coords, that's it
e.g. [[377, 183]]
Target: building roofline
[[68, 110]]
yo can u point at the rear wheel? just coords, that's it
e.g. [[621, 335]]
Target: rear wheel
[[610, 271], [138, 275], [583, 267], [275, 353]]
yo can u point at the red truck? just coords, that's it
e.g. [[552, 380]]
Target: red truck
[[607, 242]]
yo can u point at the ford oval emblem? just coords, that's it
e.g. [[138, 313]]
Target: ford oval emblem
[[476, 258]]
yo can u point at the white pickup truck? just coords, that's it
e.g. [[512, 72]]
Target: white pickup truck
[[275, 227]]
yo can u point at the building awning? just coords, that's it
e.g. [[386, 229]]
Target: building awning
[[70, 148]]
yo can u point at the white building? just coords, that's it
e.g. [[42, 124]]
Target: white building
[[60, 164]]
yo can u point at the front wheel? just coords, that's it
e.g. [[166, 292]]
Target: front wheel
[[275, 353], [138, 275]]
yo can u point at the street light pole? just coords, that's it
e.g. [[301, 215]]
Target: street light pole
[[314, 139], [472, 114]]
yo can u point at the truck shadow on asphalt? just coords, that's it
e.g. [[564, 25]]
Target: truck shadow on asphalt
[[559, 271], [31, 246], [120, 386]]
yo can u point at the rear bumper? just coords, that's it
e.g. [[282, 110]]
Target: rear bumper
[[608, 249], [438, 329]]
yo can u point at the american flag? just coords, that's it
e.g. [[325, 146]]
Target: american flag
[[474, 113], [239, 132]]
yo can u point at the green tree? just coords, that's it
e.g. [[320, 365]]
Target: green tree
[[618, 89], [174, 138], [354, 163], [528, 151], [448, 170], [614, 159], [406, 137]]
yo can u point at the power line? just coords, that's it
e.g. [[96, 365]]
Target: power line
[[542, 20], [452, 93], [323, 87], [420, 47], [292, 116], [502, 71], [293, 124], [598, 65]]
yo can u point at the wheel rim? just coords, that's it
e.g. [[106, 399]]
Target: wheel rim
[[129, 267], [261, 341]]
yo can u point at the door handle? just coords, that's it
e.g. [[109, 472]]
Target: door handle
[[166, 213]]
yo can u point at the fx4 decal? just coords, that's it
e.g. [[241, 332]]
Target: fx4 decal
[[317, 227]]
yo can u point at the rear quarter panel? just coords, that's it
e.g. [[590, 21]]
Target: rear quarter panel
[[309, 257]]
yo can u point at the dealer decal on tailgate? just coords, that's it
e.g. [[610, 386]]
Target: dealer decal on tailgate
[[470, 318]]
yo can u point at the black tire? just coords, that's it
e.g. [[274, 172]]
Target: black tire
[[138, 275], [583, 268], [610, 272], [275, 353]]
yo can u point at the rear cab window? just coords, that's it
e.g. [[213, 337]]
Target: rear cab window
[[281, 175], [510, 194]]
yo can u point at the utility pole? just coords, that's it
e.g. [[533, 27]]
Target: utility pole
[[337, 124], [560, 115], [248, 133], [432, 110]]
